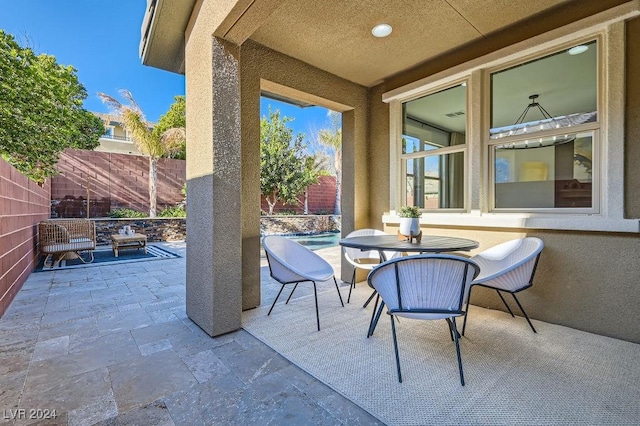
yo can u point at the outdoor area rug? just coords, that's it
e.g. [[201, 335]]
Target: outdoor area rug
[[512, 376], [104, 256]]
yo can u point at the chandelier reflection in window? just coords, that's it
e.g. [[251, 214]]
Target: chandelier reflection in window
[[520, 127]]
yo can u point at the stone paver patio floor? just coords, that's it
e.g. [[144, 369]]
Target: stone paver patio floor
[[112, 345]]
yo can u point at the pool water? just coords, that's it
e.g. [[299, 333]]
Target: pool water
[[317, 241], [313, 241]]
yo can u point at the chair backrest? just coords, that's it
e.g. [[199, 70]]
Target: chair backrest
[[353, 254], [290, 261], [510, 265], [431, 283]]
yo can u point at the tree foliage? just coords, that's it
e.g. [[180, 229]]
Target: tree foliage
[[41, 111], [174, 118], [286, 170], [149, 142]]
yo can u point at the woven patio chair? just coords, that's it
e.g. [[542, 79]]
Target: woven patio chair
[[425, 287], [293, 263], [508, 267], [365, 259]]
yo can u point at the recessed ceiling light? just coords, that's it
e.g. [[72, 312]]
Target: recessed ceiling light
[[578, 49], [381, 30]]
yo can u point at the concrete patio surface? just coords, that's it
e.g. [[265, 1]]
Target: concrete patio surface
[[112, 345]]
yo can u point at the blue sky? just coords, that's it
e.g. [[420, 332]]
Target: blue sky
[[100, 39], [307, 120]]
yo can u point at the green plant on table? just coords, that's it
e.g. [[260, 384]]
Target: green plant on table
[[410, 211]]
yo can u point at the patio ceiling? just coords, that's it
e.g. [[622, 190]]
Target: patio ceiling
[[335, 35]]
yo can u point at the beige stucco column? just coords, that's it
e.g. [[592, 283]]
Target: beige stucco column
[[214, 177]]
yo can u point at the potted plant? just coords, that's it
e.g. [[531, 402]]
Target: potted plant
[[410, 220]]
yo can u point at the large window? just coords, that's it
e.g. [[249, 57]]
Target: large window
[[544, 126], [433, 149], [535, 139]]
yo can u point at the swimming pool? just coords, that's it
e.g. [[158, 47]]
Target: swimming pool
[[317, 241], [313, 241]]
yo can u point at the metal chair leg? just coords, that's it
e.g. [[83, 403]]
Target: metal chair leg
[[466, 312], [374, 320], [505, 302], [353, 284], [524, 313], [315, 294], [449, 326], [395, 347], [276, 299], [369, 299], [373, 315], [338, 290], [454, 331], [294, 289]]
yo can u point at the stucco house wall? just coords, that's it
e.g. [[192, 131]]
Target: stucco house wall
[[220, 147], [584, 276], [585, 280]]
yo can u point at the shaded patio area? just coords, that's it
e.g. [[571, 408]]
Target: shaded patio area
[[113, 345]]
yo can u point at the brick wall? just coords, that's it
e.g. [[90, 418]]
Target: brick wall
[[322, 198], [22, 205], [114, 180]]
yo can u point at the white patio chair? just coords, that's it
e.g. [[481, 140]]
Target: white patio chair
[[366, 260], [425, 287], [293, 263], [508, 267]]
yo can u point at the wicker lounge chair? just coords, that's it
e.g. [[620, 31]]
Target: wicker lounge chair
[[67, 237]]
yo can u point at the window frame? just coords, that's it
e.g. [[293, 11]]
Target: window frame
[[610, 26], [402, 157], [595, 127]]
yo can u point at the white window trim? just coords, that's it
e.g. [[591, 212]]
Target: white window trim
[[595, 127], [610, 26], [434, 153]]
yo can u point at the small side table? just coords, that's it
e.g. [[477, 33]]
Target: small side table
[[123, 241]]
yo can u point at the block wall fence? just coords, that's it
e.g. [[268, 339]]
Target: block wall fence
[[322, 199], [114, 181], [23, 204], [122, 180]]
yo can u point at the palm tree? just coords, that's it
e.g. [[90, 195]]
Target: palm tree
[[152, 144], [333, 138]]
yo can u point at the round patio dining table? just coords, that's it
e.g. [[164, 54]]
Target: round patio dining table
[[429, 244], [382, 243]]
